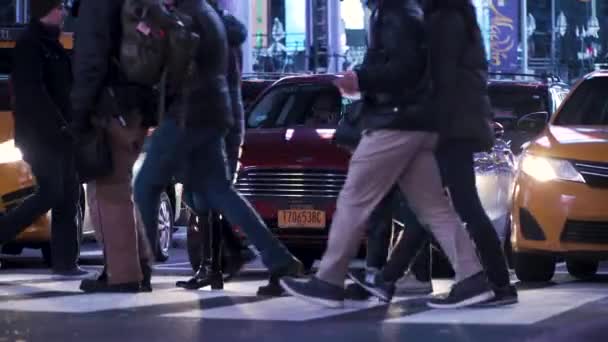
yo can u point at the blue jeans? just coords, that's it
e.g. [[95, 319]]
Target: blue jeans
[[199, 152]]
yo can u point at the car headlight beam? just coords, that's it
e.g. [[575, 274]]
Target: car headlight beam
[[547, 169], [9, 153]]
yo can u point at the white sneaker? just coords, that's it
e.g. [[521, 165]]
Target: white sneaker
[[409, 285]]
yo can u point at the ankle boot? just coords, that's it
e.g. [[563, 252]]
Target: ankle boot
[[204, 277]]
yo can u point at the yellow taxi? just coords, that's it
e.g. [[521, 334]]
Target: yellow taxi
[[560, 195]]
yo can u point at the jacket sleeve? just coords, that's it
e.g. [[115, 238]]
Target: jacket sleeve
[[92, 50], [235, 30], [33, 103], [399, 37], [447, 34]]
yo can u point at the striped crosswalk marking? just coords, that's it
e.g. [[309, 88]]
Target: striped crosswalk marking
[[288, 309], [535, 306]]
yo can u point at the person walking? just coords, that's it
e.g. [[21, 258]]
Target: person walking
[[397, 147], [42, 79], [191, 137], [459, 71], [101, 94]]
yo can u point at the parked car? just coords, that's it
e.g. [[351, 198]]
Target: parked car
[[560, 200], [292, 172], [514, 96]]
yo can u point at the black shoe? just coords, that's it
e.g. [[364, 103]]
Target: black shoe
[[470, 291], [72, 272], [374, 284], [315, 291], [273, 288], [204, 277], [506, 295], [146, 282], [96, 286], [356, 292]]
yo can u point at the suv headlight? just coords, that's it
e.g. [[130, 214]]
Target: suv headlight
[[9, 153], [547, 169]]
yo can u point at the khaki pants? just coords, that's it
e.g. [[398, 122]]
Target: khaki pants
[[116, 220], [382, 159]]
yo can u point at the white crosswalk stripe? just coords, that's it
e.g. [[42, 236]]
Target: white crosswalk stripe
[[43, 293]]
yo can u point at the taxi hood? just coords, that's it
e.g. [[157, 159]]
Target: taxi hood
[[588, 143]]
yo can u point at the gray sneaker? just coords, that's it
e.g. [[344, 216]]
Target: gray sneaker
[[409, 285]]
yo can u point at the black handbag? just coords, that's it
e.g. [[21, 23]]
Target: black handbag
[[348, 132], [93, 151]]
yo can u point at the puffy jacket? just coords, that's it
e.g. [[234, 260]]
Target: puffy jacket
[[460, 72], [393, 77], [42, 78], [97, 42], [206, 98]]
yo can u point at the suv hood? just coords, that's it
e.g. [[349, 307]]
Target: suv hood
[[588, 143], [293, 148]]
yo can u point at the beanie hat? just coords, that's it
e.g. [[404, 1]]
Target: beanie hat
[[40, 8]]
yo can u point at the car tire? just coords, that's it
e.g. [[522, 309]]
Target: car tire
[[307, 257], [47, 256], [164, 231], [582, 269], [534, 267]]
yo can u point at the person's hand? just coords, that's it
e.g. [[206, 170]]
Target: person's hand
[[348, 82]]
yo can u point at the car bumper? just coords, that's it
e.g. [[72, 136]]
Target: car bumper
[[563, 218], [16, 183]]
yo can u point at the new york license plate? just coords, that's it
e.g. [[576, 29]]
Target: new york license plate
[[301, 218]]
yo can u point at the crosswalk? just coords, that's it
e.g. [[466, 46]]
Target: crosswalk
[[42, 293]]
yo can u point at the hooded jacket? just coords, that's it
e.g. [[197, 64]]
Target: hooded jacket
[[460, 75], [393, 77]]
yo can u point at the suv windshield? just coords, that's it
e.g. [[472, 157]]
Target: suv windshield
[[587, 106], [511, 103], [297, 106]]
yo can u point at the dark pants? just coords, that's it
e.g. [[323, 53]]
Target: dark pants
[[382, 229], [200, 153], [458, 173], [57, 190]]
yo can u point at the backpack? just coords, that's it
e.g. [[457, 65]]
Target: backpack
[[156, 44]]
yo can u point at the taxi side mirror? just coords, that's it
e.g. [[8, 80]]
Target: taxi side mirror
[[533, 122]]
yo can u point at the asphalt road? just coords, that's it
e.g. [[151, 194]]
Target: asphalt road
[[36, 306]]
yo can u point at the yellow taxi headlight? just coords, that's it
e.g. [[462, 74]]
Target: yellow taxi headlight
[[9, 153], [548, 169]]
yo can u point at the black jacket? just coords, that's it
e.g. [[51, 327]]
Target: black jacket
[[206, 98], [97, 42], [237, 35], [393, 77], [460, 73], [42, 79]]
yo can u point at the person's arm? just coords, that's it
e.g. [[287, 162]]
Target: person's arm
[[92, 57], [399, 38], [33, 103]]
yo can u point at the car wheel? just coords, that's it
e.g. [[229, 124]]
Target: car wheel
[[582, 269], [307, 257], [534, 267], [194, 241], [164, 233]]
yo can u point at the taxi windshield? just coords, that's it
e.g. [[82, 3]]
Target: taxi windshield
[[588, 105]]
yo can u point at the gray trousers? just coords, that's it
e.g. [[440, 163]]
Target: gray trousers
[[382, 159]]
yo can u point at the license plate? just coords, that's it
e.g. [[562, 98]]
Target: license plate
[[301, 218]]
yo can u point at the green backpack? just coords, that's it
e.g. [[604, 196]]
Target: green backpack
[[156, 45]]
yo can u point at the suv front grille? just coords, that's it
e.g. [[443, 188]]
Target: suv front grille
[[585, 231], [290, 183], [594, 173]]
